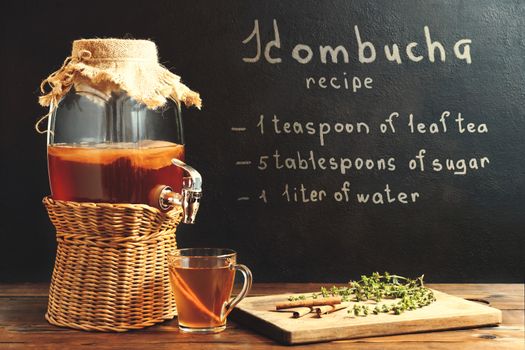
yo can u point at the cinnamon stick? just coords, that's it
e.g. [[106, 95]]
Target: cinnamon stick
[[300, 312], [328, 309], [324, 309], [297, 312], [308, 303]]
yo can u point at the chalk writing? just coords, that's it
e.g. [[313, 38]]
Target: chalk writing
[[348, 163], [367, 51], [318, 135]]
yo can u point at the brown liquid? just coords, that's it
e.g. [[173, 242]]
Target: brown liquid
[[103, 173], [200, 294]]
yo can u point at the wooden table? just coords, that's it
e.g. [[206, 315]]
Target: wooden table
[[22, 325]]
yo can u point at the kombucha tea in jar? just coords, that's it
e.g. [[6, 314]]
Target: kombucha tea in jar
[[99, 153], [113, 173], [115, 132]]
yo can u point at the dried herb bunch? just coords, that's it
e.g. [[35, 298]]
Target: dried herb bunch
[[376, 287]]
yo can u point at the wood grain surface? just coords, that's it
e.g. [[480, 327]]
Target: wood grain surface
[[22, 325], [447, 312]]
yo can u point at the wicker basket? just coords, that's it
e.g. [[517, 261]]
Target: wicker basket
[[111, 271]]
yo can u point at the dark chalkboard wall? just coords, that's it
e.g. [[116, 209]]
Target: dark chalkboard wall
[[461, 227]]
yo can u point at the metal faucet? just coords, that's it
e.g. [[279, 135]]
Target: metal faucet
[[191, 194]]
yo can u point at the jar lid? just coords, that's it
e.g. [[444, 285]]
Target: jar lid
[[116, 49]]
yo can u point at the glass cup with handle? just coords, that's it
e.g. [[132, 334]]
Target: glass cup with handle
[[202, 282]]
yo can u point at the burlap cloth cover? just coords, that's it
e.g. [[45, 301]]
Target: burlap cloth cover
[[111, 269], [116, 64]]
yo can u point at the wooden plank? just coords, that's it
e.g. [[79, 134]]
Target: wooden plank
[[22, 326], [504, 296], [448, 312], [24, 289], [513, 317], [232, 338]]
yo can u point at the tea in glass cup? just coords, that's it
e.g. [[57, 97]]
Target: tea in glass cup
[[202, 282]]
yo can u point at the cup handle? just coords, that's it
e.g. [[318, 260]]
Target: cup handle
[[228, 307]]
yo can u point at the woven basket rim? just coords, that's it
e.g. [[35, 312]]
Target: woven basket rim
[[132, 206]]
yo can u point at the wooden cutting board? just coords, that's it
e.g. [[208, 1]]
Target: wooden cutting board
[[447, 312]]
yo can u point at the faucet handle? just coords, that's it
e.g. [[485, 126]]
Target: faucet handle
[[194, 181], [190, 197], [191, 191]]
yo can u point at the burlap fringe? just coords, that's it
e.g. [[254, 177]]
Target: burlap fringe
[[141, 77]]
